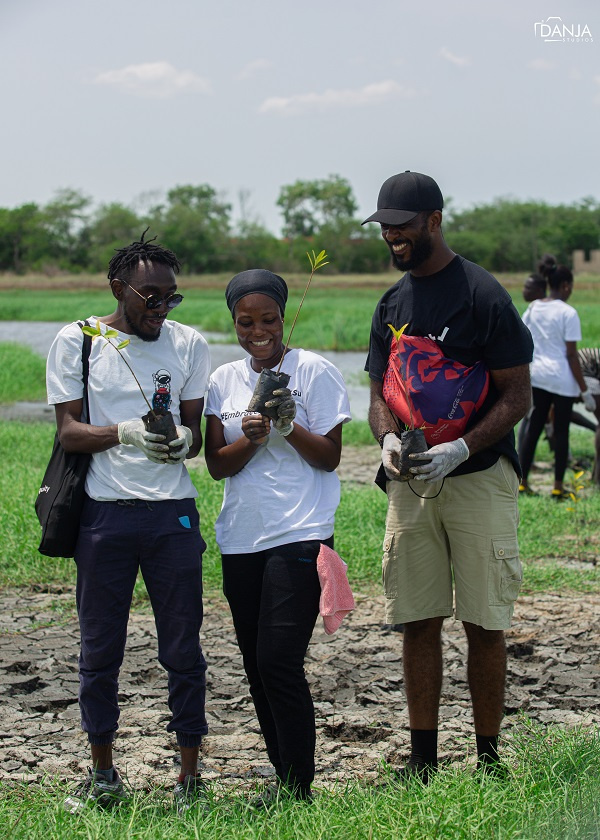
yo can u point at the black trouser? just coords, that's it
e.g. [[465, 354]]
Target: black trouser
[[542, 400], [163, 540], [274, 600]]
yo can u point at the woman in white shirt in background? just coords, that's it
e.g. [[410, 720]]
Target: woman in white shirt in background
[[556, 376]]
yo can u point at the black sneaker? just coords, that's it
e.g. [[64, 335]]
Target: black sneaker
[[414, 770], [275, 793], [191, 792], [96, 789], [492, 770], [270, 796]]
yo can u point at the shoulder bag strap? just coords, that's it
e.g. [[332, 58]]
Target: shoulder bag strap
[[85, 361]]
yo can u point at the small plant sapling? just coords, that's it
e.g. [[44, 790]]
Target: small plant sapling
[[270, 381], [576, 497], [158, 420]]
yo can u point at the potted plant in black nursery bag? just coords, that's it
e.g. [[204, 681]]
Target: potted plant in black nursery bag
[[159, 421]]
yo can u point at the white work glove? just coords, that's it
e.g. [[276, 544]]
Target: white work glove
[[180, 446], [445, 457], [133, 433], [286, 410], [589, 400], [390, 456]]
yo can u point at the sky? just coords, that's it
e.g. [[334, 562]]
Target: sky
[[126, 99]]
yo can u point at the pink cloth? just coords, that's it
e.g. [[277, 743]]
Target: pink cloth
[[336, 596]]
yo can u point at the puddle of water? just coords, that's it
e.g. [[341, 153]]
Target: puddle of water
[[39, 335]]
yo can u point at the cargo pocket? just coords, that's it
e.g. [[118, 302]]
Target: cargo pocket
[[505, 572], [389, 568]]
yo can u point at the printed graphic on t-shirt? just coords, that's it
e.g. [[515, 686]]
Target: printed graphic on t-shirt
[[162, 389], [444, 394]]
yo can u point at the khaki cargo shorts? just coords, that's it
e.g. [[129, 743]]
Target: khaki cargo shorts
[[464, 539]]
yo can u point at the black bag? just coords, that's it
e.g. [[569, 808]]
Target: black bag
[[60, 498]]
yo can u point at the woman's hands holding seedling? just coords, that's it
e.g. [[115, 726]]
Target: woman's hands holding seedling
[[286, 410]]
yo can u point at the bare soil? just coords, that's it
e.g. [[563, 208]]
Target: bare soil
[[355, 675]]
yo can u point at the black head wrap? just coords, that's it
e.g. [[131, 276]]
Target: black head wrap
[[256, 281]]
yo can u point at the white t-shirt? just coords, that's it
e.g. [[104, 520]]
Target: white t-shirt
[[277, 498], [552, 323], [176, 366]]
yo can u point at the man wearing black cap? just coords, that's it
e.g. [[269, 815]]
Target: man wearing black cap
[[460, 371]]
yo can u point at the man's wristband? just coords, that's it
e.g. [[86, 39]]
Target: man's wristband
[[383, 434]]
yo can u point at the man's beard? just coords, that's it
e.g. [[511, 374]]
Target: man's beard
[[421, 250], [136, 331]]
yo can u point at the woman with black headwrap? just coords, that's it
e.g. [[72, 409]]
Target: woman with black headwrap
[[281, 494]]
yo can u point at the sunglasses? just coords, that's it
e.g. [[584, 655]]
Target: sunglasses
[[154, 301]]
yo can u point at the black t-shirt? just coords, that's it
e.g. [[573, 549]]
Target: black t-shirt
[[471, 317]]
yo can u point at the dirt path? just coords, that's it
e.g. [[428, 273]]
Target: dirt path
[[356, 679]]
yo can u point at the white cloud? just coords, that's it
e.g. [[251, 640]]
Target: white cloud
[[541, 64], [252, 68], [458, 60], [373, 94], [157, 79]]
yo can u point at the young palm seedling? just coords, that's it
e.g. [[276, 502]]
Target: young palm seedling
[[157, 420], [270, 381]]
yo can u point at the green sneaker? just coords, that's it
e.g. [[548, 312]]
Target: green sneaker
[[191, 792], [96, 789]]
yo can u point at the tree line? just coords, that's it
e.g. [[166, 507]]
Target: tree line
[[70, 234]]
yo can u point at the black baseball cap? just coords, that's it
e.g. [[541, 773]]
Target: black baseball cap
[[405, 195]]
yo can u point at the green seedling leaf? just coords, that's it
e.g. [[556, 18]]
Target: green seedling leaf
[[317, 261], [397, 333], [95, 332]]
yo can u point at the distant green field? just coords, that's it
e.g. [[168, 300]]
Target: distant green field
[[336, 314]]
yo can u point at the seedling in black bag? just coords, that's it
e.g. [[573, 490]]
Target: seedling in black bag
[[159, 421], [270, 381]]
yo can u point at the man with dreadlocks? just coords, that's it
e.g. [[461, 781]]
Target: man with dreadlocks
[[140, 510]]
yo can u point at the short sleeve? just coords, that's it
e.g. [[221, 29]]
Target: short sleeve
[[326, 402], [508, 343], [64, 373], [213, 398], [379, 347], [572, 325], [199, 369]]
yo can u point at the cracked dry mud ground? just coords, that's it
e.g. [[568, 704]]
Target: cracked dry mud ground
[[355, 675]]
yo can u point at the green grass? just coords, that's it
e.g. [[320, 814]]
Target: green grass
[[331, 319], [336, 314], [553, 793], [22, 374], [554, 559]]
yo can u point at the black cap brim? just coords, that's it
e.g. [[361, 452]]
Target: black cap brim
[[392, 217]]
